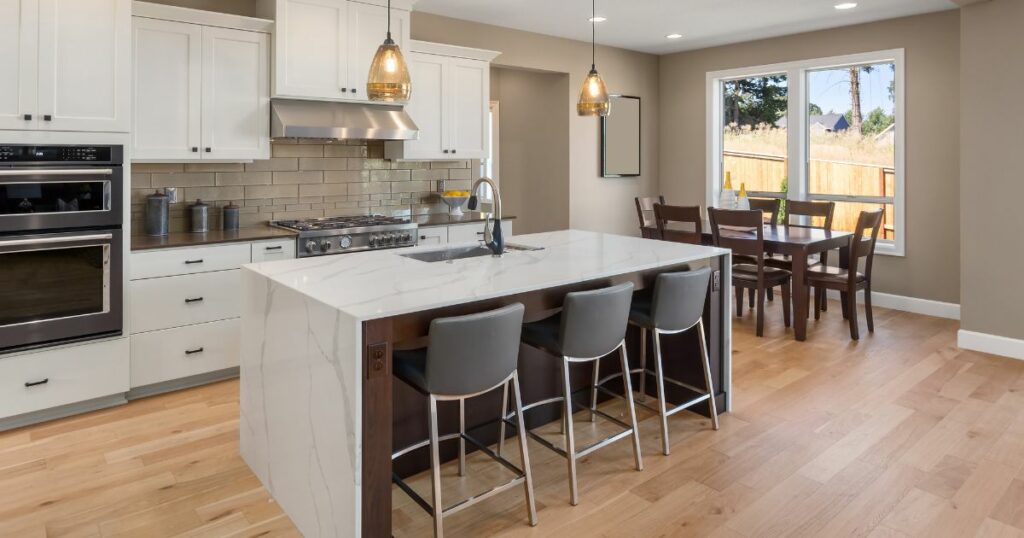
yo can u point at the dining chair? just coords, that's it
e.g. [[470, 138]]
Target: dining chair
[[770, 207], [688, 216], [645, 213], [823, 212], [743, 232], [849, 281]]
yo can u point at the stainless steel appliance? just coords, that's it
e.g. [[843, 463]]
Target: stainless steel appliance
[[61, 249], [337, 235]]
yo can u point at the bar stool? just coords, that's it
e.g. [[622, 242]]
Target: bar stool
[[676, 305], [467, 356], [591, 325]]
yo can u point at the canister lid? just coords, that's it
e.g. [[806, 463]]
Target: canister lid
[[199, 203], [157, 195]]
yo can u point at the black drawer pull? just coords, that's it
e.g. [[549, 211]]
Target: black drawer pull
[[190, 262], [35, 383], [47, 117], [278, 247], [194, 300], [28, 117], [193, 351], [195, 149]]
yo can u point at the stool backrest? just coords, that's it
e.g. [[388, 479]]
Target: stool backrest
[[470, 354], [594, 322], [679, 298]]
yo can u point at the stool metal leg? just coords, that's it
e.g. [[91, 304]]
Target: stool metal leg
[[524, 454], [570, 441], [707, 373], [593, 390], [662, 397], [435, 470], [632, 409], [643, 364], [462, 440], [504, 413]]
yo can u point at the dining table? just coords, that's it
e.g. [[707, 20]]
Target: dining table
[[799, 243]]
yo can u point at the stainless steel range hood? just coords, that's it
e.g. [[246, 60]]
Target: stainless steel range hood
[[321, 119]]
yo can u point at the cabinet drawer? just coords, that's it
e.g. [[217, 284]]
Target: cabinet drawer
[[159, 356], [174, 301], [183, 261], [62, 376], [268, 251], [437, 235]]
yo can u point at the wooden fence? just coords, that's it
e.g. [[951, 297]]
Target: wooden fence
[[763, 172]]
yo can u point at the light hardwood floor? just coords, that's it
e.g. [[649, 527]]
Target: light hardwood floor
[[900, 434]]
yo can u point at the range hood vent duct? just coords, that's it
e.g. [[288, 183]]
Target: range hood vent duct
[[341, 121]]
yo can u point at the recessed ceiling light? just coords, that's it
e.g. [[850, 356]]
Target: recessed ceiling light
[[846, 5], [674, 36], [597, 19]]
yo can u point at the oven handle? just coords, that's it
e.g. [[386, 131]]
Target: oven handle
[[56, 240], [57, 172]]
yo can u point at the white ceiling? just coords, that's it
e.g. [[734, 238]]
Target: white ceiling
[[643, 24]]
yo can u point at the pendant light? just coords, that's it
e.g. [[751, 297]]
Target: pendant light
[[389, 75], [593, 95]]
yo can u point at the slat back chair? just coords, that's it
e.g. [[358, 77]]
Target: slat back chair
[[645, 213], [690, 216], [770, 207]]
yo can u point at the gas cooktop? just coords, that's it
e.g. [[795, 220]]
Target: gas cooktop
[[337, 235]]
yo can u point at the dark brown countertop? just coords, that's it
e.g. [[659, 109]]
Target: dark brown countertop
[[188, 239], [427, 221]]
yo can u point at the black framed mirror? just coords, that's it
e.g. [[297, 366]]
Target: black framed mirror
[[620, 138]]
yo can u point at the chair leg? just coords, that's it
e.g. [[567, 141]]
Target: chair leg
[[504, 413], [570, 440], [462, 440], [851, 313], [844, 301], [643, 364], [752, 299], [867, 309], [771, 294], [708, 383], [593, 390], [786, 303], [738, 292], [662, 406], [760, 311], [524, 453], [435, 470], [637, 458], [824, 299], [817, 302]]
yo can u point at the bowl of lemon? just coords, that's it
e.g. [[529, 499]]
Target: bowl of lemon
[[455, 200]]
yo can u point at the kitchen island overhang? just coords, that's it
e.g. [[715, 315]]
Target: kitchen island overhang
[[320, 413]]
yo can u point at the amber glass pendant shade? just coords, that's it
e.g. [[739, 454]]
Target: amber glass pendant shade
[[593, 96], [389, 75]]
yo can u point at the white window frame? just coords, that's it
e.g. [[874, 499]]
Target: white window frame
[[797, 140]]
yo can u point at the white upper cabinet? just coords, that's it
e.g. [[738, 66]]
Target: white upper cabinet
[[451, 89], [323, 48], [201, 92], [66, 65]]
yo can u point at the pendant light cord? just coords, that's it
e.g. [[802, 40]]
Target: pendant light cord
[[593, 34], [389, 19]]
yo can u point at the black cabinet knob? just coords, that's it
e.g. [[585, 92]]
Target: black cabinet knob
[[453, 151], [353, 90], [208, 150], [47, 117], [28, 117], [344, 90], [445, 151], [195, 149]]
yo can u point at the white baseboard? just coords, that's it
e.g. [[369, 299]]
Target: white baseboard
[[927, 307], [990, 343]]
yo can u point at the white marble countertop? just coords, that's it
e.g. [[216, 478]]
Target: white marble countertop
[[379, 284]]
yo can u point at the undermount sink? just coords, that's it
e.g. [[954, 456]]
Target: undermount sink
[[461, 253]]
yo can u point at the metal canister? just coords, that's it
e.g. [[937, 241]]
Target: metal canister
[[157, 213], [200, 214], [231, 216]]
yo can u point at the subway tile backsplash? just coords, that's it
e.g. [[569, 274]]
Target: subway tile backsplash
[[303, 178]]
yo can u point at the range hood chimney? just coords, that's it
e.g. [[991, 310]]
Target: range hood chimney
[[321, 119]]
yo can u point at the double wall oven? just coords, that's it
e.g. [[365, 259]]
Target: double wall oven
[[61, 266]]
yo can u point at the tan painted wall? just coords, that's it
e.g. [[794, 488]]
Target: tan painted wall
[[533, 163], [596, 203], [930, 269], [992, 185]]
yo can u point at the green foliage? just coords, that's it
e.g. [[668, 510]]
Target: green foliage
[[753, 101], [877, 121], [784, 188], [815, 110]]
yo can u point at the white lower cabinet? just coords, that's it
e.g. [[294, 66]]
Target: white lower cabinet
[[67, 375], [159, 356], [435, 235], [268, 251], [163, 303]]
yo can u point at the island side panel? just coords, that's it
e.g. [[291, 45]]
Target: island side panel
[[300, 405], [377, 428]]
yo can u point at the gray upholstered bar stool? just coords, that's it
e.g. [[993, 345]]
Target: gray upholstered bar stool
[[591, 325], [674, 306], [466, 356]]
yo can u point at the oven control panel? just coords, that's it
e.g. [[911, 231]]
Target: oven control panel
[[60, 154]]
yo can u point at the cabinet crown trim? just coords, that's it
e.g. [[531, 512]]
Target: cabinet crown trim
[[150, 10], [454, 51]]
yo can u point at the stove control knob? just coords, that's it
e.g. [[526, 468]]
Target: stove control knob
[[325, 245], [311, 246], [373, 241], [391, 239], [345, 241], [406, 237]]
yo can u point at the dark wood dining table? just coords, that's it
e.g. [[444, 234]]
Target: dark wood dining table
[[799, 244]]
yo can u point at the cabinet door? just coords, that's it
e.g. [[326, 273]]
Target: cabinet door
[[367, 28], [311, 49], [19, 24], [469, 88], [84, 62], [428, 107], [168, 82], [236, 96]]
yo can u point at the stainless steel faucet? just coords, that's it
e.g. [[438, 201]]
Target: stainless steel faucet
[[492, 239]]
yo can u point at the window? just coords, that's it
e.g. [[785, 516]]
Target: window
[[846, 146], [489, 164]]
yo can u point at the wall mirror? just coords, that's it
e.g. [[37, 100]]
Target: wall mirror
[[620, 138]]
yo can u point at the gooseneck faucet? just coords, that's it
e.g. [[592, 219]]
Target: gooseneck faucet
[[492, 239]]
